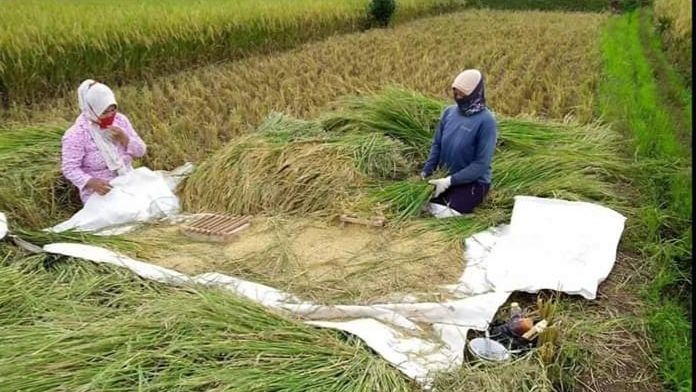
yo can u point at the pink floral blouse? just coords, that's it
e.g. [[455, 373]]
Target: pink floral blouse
[[81, 159]]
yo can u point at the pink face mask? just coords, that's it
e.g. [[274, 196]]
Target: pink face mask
[[106, 122]]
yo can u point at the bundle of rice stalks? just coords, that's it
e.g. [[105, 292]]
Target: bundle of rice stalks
[[546, 174], [73, 289], [412, 118], [376, 156], [84, 337], [404, 199], [398, 113], [291, 166], [32, 189], [280, 128]]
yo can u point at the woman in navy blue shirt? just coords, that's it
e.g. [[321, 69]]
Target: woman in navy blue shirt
[[463, 144]]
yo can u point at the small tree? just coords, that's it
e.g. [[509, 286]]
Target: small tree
[[381, 11]]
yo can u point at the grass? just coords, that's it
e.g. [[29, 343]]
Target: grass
[[143, 335], [47, 48], [207, 107], [666, 192]]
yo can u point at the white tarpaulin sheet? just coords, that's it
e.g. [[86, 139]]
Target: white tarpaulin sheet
[[549, 244], [3, 225]]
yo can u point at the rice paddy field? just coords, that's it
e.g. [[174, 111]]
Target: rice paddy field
[[46, 47], [298, 112]]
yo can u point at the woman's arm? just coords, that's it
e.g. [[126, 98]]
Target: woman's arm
[[434, 157], [72, 153], [136, 147]]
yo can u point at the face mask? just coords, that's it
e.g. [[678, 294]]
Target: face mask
[[464, 103], [106, 122]]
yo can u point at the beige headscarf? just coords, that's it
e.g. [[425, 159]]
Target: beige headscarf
[[94, 98], [467, 81]]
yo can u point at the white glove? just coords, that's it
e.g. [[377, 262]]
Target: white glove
[[441, 184]]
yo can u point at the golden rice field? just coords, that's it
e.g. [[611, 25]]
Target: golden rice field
[[46, 47], [542, 64], [675, 18]]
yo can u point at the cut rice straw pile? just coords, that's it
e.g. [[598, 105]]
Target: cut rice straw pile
[[306, 170], [32, 189], [87, 327], [290, 166]]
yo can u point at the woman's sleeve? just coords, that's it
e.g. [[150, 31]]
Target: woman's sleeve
[[136, 147], [434, 157], [72, 153]]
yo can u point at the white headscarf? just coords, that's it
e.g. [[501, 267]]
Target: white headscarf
[[81, 92], [94, 98]]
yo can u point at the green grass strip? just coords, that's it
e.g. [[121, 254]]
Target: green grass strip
[[630, 97]]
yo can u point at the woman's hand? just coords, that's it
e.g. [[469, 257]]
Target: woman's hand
[[441, 185], [119, 135], [98, 185]]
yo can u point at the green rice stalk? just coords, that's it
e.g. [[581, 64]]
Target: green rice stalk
[[401, 114], [404, 199], [282, 129], [131, 246], [377, 156]]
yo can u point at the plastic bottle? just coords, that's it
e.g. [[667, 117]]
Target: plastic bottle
[[515, 311]]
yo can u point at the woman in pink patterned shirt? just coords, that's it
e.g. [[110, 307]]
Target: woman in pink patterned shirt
[[101, 144]]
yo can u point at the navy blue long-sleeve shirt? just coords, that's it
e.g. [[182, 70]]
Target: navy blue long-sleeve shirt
[[464, 146]]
